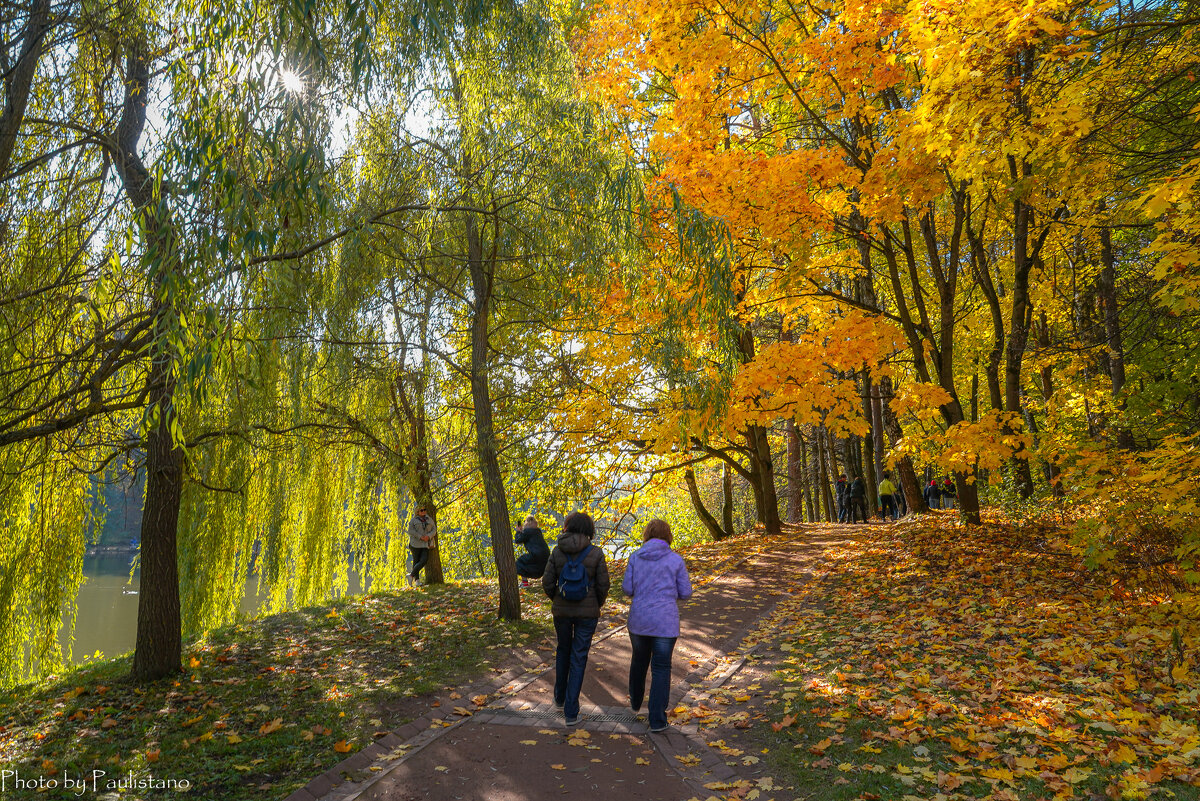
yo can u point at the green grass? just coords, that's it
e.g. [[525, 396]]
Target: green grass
[[263, 707]]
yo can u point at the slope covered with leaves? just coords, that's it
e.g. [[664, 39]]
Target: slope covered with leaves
[[932, 661]]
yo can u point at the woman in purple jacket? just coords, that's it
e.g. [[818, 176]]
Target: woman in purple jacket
[[655, 579]]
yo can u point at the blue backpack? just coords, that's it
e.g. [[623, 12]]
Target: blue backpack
[[573, 580]]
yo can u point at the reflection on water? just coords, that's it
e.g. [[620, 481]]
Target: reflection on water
[[108, 605]]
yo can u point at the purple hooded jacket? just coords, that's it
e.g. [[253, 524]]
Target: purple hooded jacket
[[655, 578]]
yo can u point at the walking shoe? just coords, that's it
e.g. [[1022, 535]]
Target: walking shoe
[[658, 729], [559, 704], [573, 721]]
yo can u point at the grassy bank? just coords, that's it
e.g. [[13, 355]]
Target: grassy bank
[[263, 707]]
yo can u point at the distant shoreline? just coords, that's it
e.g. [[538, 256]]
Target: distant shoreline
[[109, 550]]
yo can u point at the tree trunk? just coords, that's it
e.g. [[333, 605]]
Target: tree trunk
[[912, 488], [727, 498], [795, 475], [762, 471], [867, 465], [826, 494], [19, 78], [710, 522], [158, 648], [499, 525], [159, 644], [1106, 291], [810, 511]]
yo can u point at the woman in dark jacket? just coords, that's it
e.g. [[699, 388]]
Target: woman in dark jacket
[[574, 621], [532, 563], [858, 500], [933, 495]]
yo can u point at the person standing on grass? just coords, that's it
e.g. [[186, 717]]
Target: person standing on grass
[[655, 579], [887, 496], [422, 535], [532, 563], [576, 580]]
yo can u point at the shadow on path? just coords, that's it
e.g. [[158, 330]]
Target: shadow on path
[[504, 741]]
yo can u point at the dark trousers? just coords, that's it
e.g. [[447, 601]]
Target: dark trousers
[[653, 653], [888, 505], [530, 566], [858, 509], [420, 557], [570, 660], [843, 511]]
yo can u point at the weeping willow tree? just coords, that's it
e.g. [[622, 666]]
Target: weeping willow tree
[[289, 346], [121, 254]]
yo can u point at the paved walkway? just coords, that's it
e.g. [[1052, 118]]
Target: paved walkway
[[502, 740]]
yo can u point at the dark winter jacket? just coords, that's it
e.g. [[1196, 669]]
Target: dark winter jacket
[[569, 544], [858, 490], [933, 495], [842, 497], [534, 542], [655, 579], [949, 490]]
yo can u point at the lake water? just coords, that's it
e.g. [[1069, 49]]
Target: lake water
[[108, 605]]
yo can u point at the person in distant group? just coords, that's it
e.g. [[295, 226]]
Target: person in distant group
[[887, 496], [576, 580], [933, 495], [858, 500], [949, 493], [655, 579], [422, 535], [532, 563], [843, 498]]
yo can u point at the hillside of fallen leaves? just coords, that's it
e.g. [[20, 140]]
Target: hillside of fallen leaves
[[927, 660]]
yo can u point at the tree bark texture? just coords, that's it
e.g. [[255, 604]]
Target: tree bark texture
[[710, 522], [158, 647], [499, 525]]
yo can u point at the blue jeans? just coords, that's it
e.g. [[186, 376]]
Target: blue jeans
[[570, 660], [653, 653]]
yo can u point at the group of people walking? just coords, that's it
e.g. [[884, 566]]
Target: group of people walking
[[851, 498], [575, 578]]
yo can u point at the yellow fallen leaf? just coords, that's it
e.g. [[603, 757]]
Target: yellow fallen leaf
[[273, 726], [529, 742], [640, 761], [342, 747], [233, 739], [442, 768], [152, 756], [1076, 775], [558, 767]]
